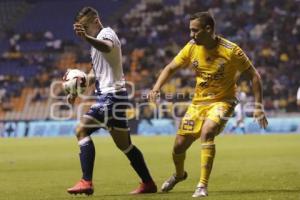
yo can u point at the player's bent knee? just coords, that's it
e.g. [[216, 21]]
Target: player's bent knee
[[182, 143], [209, 134], [179, 148], [121, 139], [122, 146]]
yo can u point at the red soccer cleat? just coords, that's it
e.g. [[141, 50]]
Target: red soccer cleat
[[82, 187], [148, 187]]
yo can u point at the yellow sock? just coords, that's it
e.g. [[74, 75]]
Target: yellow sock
[[207, 158], [178, 160]]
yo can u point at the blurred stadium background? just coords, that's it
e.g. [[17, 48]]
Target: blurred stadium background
[[37, 46]]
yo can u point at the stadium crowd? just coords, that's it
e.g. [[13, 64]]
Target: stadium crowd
[[152, 34]]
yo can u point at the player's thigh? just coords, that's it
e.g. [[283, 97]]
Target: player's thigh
[[121, 138], [86, 127], [118, 126], [192, 121], [217, 117], [182, 143]]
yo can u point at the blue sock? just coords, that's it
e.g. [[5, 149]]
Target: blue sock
[[138, 164], [87, 158]]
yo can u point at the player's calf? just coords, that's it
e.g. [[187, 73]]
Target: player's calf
[[139, 165]]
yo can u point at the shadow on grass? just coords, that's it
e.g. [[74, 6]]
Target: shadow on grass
[[177, 194], [151, 194], [212, 193], [257, 191]]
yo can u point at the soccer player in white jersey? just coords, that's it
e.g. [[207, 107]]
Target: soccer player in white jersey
[[239, 111], [107, 74], [298, 97]]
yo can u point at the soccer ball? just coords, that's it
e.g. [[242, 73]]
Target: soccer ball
[[74, 81]]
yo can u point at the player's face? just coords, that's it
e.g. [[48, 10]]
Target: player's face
[[91, 26], [197, 32]]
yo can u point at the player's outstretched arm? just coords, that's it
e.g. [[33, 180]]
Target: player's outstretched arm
[[101, 45], [164, 76], [259, 114]]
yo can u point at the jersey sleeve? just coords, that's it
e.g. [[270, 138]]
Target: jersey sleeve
[[240, 59], [183, 57], [107, 34]]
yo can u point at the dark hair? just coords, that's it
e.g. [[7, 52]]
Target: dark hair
[[205, 18], [86, 11]]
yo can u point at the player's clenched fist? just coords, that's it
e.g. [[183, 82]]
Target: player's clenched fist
[[260, 117], [79, 30]]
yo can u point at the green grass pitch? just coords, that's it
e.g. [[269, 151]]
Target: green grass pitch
[[260, 167]]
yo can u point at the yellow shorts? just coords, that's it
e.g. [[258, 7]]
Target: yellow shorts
[[195, 116]]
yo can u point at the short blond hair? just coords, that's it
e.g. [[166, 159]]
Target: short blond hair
[[205, 18]]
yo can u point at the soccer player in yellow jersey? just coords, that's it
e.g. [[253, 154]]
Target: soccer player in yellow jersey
[[218, 63]]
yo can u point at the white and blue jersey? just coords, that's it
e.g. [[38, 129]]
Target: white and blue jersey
[[112, 99], [239, 109], [108, 66]]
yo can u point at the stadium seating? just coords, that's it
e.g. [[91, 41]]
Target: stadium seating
[[41, 45]]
